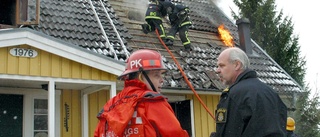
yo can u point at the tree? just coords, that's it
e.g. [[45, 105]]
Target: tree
[[307, 115], [274, 34]]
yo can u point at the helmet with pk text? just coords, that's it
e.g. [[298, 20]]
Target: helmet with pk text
[[143, 59]]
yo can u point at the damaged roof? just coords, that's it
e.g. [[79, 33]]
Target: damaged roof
[[112, 28]]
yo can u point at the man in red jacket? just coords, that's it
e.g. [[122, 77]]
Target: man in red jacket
[[139, 110]]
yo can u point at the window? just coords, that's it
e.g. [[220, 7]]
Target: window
[[19, 12], [40, 126]]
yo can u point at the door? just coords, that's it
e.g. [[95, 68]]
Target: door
[[11, 110]]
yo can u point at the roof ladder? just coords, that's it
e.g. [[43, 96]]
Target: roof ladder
[[116, 31], [103, 31]]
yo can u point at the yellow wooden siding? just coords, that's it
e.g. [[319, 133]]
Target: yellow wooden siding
[[203, 122], [3, 60], [48, 65], [96, 102], [71, 99]]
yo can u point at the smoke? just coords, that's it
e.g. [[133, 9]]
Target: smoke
[[217, 2], [137, 13]]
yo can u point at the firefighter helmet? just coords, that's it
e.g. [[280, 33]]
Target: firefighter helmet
[[143, 59], [290, 124], [168, 6]]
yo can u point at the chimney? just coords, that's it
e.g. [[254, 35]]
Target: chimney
[[244, 35]]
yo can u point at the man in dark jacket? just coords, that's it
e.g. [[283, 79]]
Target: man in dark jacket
[[180, 22], [248, 107], [153, 17]]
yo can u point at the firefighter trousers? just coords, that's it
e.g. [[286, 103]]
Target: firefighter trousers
[[183, 33], [156, 24]]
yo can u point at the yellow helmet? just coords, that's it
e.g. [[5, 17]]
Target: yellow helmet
[[290, 124]]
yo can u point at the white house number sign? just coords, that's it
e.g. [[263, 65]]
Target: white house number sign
[[21, 52]]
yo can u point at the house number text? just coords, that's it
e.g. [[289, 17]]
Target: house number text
[[21, 52]]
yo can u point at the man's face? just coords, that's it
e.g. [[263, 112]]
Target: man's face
[[227, 71], [156, 77]]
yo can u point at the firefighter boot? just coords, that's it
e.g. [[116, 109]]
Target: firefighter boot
[[169, 42], [145, 28], [187, 47]]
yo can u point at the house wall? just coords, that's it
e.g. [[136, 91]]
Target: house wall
[[70, 113], [96, 103], [72, 99], [204, 124]]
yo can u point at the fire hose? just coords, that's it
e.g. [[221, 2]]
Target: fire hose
[[184, 75]]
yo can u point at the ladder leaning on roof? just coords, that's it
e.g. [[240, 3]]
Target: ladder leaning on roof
[[105, 12]]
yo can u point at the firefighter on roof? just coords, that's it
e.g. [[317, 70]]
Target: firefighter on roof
[[180, 22], [153, 17], [140, 110]]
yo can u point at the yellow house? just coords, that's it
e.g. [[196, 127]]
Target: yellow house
[[57, 88], [59, 62], [52, 86]]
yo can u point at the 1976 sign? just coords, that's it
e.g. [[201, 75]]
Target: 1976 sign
[[21, 52]]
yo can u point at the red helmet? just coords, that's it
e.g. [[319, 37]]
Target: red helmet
[[143, 58]]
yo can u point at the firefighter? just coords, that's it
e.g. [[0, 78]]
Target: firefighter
[[140, 109], [291, 127], [180, 22], [153, 17]]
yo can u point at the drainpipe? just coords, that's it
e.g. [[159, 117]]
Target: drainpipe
[[244, 35]]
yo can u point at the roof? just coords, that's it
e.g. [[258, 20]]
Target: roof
[[112, 29]]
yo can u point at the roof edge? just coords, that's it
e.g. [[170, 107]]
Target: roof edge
[[19, 36]]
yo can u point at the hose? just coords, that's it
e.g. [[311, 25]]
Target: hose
[[184, 75]]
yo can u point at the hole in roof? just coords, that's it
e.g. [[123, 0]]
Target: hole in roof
[[136, 15]]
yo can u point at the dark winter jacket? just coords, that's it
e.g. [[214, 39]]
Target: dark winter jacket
[[291, 134], [155, 10], [180, 16], [250, 108]]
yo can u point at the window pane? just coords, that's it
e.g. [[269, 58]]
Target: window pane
[[41, 134], [40, 106], [41, 122]]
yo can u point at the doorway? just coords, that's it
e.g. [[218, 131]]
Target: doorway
[[11, 112], [182, 111]]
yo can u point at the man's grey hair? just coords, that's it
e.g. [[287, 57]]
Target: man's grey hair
[[236, 54]]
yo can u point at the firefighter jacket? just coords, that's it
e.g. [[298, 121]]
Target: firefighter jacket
[[155, 10], [250, 108], [180, 16], [138, 112]]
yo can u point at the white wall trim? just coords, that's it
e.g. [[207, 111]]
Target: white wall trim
[[51, 109], [57, 80], [192, 118]]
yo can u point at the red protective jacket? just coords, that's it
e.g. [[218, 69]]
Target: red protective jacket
[[138, 112]]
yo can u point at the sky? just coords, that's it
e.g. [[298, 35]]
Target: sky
[[306, 26]]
